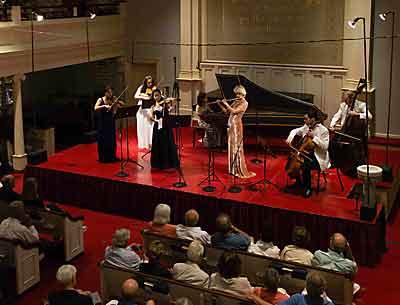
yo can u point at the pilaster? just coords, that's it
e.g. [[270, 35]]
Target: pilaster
[[19, 157]]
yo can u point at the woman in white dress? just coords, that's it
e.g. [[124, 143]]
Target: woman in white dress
[[143, 116]]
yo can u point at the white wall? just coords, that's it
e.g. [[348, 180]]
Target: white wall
[[381, 68], [154, 21]]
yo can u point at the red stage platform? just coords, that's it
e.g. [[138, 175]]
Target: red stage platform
[[74, 176]]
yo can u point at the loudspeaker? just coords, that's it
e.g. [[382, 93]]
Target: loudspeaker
[[37, 157], [367, 213]]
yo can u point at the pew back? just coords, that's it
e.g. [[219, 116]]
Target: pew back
[[340, 285], [112, 278]]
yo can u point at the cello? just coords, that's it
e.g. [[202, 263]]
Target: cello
[[347, 148], [302, 148]]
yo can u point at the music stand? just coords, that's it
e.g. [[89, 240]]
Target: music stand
[[179, 121], [123, 114], [214, 122], [266, 151]]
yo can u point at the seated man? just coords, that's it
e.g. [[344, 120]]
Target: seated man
[[18, 225], [297, 252], [190, 271], [339, 257], [228, 236], [265, 245], [66, 276], [228, 277], [161, 219], [7, 193], [190, 230], [315, 286], [130, 294], [120, 253]]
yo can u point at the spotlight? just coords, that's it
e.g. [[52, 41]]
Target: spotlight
[[38, 17], [383, 16], [92, 15], [2, 2], [353, 23]]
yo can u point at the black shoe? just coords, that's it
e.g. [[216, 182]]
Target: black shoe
[[307, 193]]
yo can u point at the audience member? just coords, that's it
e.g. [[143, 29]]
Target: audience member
[[7, 193], [228, 276], [120, 253], [339, 257], [228, 236], [18, 225], [30, 195], [160, 260], [190, 271], [130, 293], [265, 245], [190, 230], [271, 292], [161, 219], [66, 276], [183, 301], [297, 252], [315, 286]]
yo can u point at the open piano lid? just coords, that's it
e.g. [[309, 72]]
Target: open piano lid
[[263, 99]]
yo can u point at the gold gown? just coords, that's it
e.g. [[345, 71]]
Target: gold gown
[[237, 167]]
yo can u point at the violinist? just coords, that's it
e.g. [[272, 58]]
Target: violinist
[[359, 110], [143, 116], [105, 108], [318, 135]]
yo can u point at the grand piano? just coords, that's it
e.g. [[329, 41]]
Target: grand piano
[[278, 112]]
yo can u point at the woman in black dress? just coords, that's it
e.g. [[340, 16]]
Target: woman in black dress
[[105, 108], [163, 152]]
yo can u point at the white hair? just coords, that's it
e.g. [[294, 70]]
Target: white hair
[[66, 274], [183, 301], [195, 251], [162, 214], [240, 89], [121, 237]]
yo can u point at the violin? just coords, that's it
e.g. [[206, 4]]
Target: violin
[[302, 148], [149, 91]]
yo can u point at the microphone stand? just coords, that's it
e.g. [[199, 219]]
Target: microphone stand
[[176, 94], [256, 160], [235, 188]]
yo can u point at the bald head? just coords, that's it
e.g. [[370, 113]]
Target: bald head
[[129, 289], [338, 242], [223, 223], [191, 218]]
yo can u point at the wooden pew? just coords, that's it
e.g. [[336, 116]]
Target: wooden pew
[[340, 285], [25, 260], [63, 225], [112, 277]]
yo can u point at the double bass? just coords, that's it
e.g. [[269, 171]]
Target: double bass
[[348, 146]]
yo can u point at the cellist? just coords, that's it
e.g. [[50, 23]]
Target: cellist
[[319, 158], [359, 110]]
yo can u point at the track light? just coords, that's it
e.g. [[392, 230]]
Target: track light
[[383, 16], [92, 15], [353, 23], [38, 17]]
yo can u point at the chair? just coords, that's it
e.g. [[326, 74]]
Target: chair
[[323, 173]]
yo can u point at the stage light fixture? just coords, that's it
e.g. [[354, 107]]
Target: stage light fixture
[[92, 15], [383, 16], [38, 17]]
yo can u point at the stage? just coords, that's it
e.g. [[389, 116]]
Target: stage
[[74, 176]]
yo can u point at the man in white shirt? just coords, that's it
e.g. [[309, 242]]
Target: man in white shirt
[[18, 225], [190, 230], [319, 159], [190, 271], [360, 110]]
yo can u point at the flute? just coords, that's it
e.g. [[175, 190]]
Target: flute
[[220, 101]]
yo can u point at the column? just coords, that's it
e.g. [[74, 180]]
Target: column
[[189, 74], [19, 157]]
